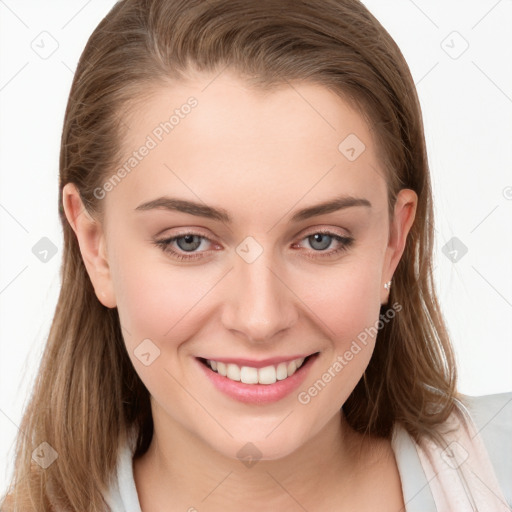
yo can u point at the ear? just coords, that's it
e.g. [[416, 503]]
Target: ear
[[91, 240], [403, 219]]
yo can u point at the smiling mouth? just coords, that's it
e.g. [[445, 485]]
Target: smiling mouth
[[250, 375]]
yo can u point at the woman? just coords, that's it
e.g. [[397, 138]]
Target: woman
[[247, 317]]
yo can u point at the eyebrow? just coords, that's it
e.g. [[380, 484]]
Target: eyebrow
[[202, 210]]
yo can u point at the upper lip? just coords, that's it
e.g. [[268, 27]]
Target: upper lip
[[261, 363]]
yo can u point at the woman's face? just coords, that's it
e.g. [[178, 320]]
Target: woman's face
[[261, 274]]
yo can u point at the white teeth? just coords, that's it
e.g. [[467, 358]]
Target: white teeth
[[221, 369], [267, 375], [250, 375], [233, 372], [282, 371]]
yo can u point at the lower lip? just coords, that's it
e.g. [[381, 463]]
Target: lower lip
[[258, 393]]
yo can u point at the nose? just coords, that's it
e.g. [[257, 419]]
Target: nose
[[260, 304]]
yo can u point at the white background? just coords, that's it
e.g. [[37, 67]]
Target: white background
[[467, 109]]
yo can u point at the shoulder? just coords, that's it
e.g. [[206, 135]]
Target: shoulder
[[432, 473], [490, 412], [492, 416], [121, 494]]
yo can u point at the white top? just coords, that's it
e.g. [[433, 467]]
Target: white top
[[473, 472]]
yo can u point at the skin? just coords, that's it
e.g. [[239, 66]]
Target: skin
[[260, 156]]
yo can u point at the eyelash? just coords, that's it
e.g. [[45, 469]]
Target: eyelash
[[165, 245]]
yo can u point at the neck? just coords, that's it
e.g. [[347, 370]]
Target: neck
[[180, 469]]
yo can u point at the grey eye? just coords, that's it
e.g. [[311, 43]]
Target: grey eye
[[320, 241], [192, 242]]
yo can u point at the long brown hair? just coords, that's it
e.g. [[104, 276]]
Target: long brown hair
[[87, 393]]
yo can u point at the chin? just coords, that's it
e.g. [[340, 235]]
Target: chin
[[249, 449]]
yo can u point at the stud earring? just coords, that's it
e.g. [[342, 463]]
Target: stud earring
[[387, 285]]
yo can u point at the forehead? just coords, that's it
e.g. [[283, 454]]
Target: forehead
[[213, 137]]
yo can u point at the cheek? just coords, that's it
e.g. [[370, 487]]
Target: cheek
[[344, 300], [158, 305], [160, 301], [348, 305], [157, 300]]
